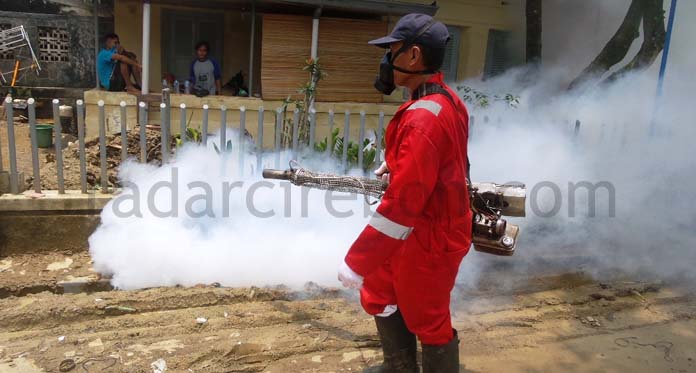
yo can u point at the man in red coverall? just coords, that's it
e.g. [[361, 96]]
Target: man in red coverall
[[405, 261]]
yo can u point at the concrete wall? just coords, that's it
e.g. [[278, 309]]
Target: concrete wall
[[54, 222]]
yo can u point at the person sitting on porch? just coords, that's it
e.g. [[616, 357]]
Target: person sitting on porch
[[116, 66], [205, 72]]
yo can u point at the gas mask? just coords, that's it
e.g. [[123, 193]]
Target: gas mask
[[385, 80]]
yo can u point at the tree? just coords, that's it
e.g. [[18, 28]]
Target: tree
[[533, 44], [652, 15]]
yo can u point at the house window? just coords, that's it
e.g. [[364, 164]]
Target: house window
[[451, 61], [9, 54], [498, 56], [54, 44]]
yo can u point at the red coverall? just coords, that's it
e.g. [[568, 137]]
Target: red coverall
[[410, 251]]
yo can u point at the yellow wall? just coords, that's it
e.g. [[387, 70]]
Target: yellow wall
[[477, 17]]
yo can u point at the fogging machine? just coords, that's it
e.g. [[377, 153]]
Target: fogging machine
[[489, 203]]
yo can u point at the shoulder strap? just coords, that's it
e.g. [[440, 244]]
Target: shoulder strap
[[428, 89]]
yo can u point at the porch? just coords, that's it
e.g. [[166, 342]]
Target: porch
[[268, 41]]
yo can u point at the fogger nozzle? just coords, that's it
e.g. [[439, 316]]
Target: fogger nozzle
[[269, 173]]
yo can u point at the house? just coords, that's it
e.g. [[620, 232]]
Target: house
[[267, 40]]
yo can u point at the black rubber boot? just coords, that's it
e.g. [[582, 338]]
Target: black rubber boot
[[442, 359], [398, 345]]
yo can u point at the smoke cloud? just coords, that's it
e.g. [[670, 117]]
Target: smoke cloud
[[230, 230]]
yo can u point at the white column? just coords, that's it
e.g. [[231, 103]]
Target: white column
[[315, 43], [315, 33], [251, 50], [146, 49], [95, 10]]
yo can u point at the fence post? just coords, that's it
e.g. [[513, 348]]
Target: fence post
[[312, 128], [143, 132], [242, 132], [346, 141], [124, 132], [577, 128], [378, 138], [329, 138], [12, 149], [361, 136], [204, 125], [295, 131], [164, 136], [1, 163], [223, 129], [472, 121], [31, 109], [58, 135], [259, 147], [81, 144], [278, 129], [182, 123], [102, 148]]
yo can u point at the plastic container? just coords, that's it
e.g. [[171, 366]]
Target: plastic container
[[44, 135]]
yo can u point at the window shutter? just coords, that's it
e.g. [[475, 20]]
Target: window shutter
[[451, 62], [498, 58]]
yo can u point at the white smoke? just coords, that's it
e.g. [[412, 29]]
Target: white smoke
[[213, 240], [651, 232]]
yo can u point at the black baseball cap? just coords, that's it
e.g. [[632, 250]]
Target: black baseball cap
[[416, 28]]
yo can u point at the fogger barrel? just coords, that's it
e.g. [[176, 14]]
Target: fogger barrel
[[489, 201], [510, 199], [340, 183]]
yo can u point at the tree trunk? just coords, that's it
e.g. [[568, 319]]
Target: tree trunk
[[652, 14], [653, 42], [534, 23]]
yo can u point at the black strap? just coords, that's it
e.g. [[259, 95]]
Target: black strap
[[428, 89]]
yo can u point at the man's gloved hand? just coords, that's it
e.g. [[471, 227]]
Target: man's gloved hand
[[383, 172], [348, 277]]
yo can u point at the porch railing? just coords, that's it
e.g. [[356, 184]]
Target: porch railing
[[168, 117]]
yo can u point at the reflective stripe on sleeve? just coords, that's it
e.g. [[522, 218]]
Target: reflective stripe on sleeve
[[389, 310], [389, 228], [428, 105]]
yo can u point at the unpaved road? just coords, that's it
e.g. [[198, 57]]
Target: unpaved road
[[549, 323]]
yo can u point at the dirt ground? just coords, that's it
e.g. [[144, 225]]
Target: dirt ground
[[547, 323], [71, 157]]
